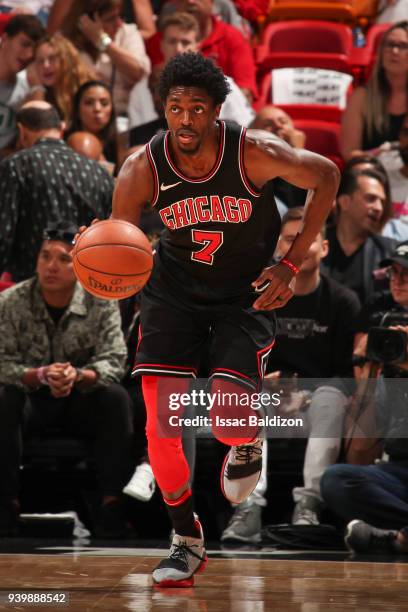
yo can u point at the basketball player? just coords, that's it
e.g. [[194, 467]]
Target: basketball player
[[209, 281]]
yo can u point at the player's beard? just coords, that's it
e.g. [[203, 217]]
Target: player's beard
[[188, 151]]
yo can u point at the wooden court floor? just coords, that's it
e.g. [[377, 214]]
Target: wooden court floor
[[115, 583]]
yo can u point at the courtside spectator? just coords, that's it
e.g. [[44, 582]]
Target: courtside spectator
[[62, 356], [378, 493]]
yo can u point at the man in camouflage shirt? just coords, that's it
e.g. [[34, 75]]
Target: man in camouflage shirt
[[62, 356]]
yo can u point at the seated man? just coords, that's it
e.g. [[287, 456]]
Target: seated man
[[314, 341], [62, 356], [375, 497], [356, 248]]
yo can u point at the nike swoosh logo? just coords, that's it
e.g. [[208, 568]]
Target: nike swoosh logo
[[164, 187]]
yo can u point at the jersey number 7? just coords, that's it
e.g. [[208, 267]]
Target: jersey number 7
[[211, 242]]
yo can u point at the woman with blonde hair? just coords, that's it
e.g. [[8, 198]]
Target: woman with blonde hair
[[60, 71], [374, 113]]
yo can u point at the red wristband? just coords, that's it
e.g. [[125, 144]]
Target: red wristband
[[290, 265]]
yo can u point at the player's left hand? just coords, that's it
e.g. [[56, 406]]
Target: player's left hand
[[279, 281]]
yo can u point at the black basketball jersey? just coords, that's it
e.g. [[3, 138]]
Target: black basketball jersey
[[220, 229]]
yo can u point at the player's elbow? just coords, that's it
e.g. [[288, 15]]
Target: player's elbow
[[330, 175]]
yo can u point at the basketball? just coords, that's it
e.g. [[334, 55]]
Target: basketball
[[112, 259]]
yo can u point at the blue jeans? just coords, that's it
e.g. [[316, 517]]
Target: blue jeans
[[377, 494]]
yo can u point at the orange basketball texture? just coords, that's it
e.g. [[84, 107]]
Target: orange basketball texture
[[112, 259]]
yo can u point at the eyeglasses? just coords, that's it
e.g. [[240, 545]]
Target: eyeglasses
[[396, 273], [389, 45], [60, 235]]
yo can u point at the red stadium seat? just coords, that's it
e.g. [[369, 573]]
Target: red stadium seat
[[322, 112], [322, 137], [352, 11], [332, 10], [362, 58], [318, 44]]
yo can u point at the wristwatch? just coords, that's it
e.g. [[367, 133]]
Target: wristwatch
[[104, 42]]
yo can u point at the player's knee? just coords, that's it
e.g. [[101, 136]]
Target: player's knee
[[233, 420]]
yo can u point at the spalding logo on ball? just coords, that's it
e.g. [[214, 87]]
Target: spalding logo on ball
[[112, 259]]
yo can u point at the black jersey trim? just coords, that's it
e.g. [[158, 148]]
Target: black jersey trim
[[155, 174], [213, 171], [247, 183]]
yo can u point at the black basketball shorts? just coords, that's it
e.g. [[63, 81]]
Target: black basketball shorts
[[176, 334]]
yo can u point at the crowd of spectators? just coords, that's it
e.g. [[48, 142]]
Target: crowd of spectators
[[78, 94]]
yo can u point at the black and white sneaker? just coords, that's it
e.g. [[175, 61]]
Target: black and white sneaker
[[363, 538], [241, 471], [187, 557]]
